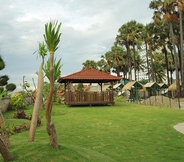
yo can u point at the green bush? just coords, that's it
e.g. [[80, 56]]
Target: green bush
[[17, 101], [120, 99]]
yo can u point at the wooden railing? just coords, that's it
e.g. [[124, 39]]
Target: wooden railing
[[89, 98]]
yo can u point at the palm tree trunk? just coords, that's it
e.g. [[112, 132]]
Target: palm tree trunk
[[4, 134], [151, 57], [129, 63], [50, 127], [147, 61], [175, 61], [181, 53], [37, 105], [134, 62], [5, 152], [167, 68]]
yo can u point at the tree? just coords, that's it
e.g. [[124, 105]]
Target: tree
[[108, 61], [5, 87], [118, 59], [4, 141], [123, 39], [57, 69], [135, 34], [158, 66], [38, 103], [57, 74], [90, 64], [130, 34], [52, 38], [171, 67], [166, 10], [140, 63]]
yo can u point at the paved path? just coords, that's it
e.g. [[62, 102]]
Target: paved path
[[179, 127]]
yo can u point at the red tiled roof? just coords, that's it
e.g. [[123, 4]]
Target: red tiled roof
[[89, 75]]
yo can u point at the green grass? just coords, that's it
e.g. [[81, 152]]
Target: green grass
[[120, 133]]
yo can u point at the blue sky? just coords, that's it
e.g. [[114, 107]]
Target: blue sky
[[88, 31]]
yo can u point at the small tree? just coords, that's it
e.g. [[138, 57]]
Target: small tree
[[52, 38], [4, 140], [38, 103]]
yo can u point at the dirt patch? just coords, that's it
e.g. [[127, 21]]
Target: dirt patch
[[162, 101]]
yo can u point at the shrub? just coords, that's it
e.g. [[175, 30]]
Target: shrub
[[17, 101], [120, 99], [20, 128], [20, 114]]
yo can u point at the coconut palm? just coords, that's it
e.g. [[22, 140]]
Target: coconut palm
[[52, 38]]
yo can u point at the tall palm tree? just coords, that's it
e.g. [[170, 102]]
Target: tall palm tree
[[161, 41], [140, 64], [165, 10], [52, 38], [148, 36], [180, 5], [124, 39], [171, 66], [135, 34]]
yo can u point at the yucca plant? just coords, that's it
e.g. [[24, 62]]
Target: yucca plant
[[52, 38]]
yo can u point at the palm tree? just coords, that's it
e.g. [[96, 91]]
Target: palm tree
[[38, 103], [90, 64], [180, 5], [159, 69], [171, 66], [118, 59], [148, 37], [108, 61], [101, 65], [140, 64], [124, 39], [165, 10], [135, 34], [52, 38], [57, 69]]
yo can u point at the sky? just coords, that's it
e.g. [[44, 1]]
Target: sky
[[89, 29]]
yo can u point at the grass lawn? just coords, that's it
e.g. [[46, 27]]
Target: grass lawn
[[121, 133]]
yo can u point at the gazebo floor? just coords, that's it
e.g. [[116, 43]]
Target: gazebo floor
[[88, 103]]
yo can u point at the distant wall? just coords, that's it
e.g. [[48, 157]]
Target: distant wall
[[4, 103]]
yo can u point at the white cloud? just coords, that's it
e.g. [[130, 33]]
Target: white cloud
[[88, 31]]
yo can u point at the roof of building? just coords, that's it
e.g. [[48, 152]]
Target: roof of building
[[173, 87], [89, 75], [132, 84]]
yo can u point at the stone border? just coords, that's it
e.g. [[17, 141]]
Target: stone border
[[179, 127]]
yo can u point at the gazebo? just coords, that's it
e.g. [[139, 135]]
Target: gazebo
[[88, 75]]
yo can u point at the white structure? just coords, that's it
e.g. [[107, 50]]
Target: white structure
[[143, 74]]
